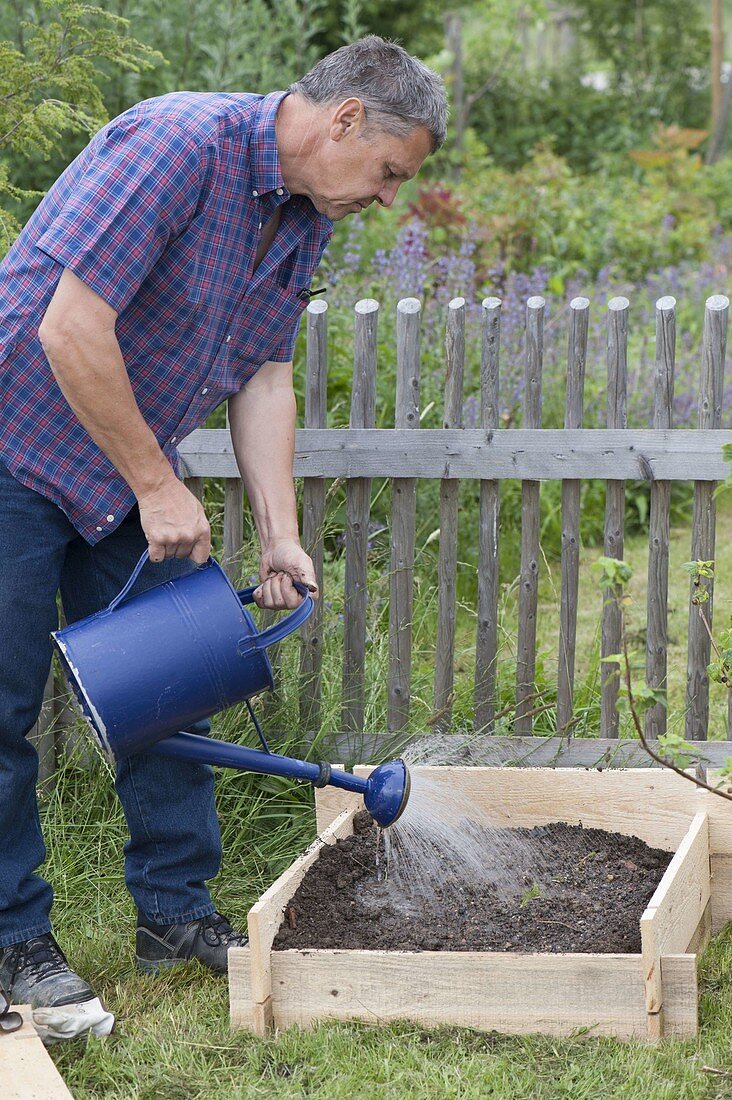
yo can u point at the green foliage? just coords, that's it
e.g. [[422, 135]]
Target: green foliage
[[544, 214], [50, 85], [613, 573], [529, 894], [634, 48], [675, 749]]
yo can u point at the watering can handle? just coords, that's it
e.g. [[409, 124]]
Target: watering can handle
[[133, 577], [280, 630]]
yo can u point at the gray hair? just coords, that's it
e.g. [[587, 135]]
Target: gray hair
[[399, 93]]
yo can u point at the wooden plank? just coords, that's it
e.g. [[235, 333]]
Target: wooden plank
[[332, 801], [27, 1071], [196, 486], [313, 514], [655, 805], [265, 917], [358, 512], [403, 520], [702, 933], [449, 500], [614, 535], [721, 891], [508, 751], [486, 641], [672, 916], [233, 529], [530, 524], [714, 345], [576, 359], [491, 991], [680, 996], [659, 526], [542, 454]]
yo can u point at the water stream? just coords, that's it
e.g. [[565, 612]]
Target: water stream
[[444, 843]]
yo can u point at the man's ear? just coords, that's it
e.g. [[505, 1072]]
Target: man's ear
[[349, 118]]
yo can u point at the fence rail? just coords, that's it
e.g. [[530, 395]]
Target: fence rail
[[490, 454]]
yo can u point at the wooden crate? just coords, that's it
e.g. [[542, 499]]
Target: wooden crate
[[631, 996]]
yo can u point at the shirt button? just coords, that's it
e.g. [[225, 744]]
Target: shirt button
[[110, 519], [174, 439], [255, 194], [228, 339], [280, 191], [204, 390], [100, 528]]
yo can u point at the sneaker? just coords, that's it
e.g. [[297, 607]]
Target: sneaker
[[208, 939], [36, 972]]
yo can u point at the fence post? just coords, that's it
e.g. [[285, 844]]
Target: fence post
[[714, 347], [358, 511], [403, 516], [530, 520], [576, 359], [313, 515], [659, 525], [449, 497], [614, 538], [486, 641]]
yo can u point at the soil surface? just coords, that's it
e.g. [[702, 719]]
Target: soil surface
[[588, 894]]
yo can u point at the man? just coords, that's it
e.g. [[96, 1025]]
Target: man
[[165, 271]]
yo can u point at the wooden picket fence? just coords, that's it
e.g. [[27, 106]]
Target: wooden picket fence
[[490, 453]]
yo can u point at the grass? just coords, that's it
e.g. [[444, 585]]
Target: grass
[[172, 1040]]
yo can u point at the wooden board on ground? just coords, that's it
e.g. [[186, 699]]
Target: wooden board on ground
[[648, 995], [26, 1069]]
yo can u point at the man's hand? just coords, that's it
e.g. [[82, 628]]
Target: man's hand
[[175, 523], [282, 563]]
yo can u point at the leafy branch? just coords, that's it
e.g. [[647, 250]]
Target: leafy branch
[[614, 578]]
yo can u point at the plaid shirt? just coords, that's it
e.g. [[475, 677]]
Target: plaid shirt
[[160, 216]]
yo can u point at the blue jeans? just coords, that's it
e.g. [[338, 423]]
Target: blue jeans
[[174, 845]]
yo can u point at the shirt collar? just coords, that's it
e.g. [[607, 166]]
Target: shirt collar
[[264, 160]]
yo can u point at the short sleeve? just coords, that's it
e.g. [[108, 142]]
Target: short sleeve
[[286, 349], [139, 191]]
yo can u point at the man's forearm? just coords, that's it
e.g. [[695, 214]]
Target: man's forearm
[[262, 419]]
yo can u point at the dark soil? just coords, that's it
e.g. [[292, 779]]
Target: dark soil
[[588, 894]]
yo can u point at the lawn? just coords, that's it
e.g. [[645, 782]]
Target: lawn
[[172, 1040]]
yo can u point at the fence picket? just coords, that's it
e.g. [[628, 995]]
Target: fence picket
[[530, 523], [486, 641], [313, 515], [403, 518], [576, 360], [659, 529], [614, 537], [196, 486], [358, 512], [233, 528], [449, 498], [714, 345]]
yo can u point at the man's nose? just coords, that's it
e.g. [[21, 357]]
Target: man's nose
[[388, 192]]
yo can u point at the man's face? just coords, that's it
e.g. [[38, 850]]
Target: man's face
[[359, 166]]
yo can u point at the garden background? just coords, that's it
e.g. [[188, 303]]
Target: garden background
[[587, 155]]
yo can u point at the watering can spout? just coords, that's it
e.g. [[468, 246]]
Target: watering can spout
[[385, 791]]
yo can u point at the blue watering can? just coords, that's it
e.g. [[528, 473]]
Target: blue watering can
[[155, 663]]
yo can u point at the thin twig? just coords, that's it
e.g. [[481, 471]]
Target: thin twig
[[641, 736]]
